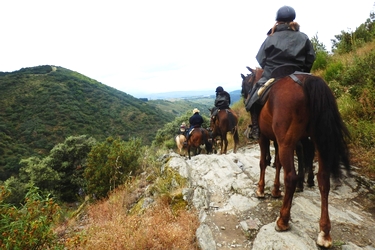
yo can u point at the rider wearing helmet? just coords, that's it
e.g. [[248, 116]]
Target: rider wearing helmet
[[222, 100], [284, 45]]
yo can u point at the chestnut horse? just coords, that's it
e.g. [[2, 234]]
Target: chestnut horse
[[223, 122], [198, 137], [301, 106]]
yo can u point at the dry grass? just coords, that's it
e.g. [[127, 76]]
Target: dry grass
[[108, 224], [364, 160]]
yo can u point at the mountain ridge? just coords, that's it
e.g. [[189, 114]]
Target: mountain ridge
[[41, 106]]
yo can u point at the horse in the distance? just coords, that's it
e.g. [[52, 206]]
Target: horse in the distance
[[224, 121], [198, 137], [180, 139], [301, 106]]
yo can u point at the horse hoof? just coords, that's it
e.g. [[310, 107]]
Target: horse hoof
[[323, 240], [279, 228], [299, 189], [259, 194], [276, 194]]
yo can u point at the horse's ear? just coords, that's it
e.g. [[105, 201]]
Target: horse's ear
[[251, 70], [209, 109], [243, 77]]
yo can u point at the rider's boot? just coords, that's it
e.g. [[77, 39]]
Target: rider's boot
[[255, 126], [186, 136]]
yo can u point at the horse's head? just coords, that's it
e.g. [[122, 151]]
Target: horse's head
[[249, 81]]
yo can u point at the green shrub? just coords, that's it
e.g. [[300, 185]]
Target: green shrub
[[333, 71], [363, 132], [28, 227], [321, 60], [109, 164]]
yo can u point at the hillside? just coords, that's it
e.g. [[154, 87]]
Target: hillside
[[178, 105], [41, 106]]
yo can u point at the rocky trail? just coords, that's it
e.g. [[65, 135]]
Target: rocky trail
[[222, 188]]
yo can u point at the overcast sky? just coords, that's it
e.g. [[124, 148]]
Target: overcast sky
[[153, 46]]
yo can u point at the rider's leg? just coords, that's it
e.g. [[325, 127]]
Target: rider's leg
[[254, 111]]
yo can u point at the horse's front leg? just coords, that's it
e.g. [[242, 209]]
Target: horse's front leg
[[309, 153], [324, 237], [188, 149], [264, 146], [286, 156]]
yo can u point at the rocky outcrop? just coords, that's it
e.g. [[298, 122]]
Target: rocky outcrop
[[222, 188]]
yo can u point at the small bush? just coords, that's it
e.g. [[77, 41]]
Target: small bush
[[321, 61], [333, 71], [29, 227]]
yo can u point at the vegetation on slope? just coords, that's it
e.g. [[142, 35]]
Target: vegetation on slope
[[41, 106]]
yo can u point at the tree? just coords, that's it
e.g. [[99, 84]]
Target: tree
[[109, 163], [322, 55], [61, 172]]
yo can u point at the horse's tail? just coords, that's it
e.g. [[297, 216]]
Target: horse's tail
[[328, 129], [232, 121], [233, 126], [235, 135], [206, 140]]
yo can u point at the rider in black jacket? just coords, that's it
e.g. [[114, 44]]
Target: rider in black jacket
[[196, 121], [222, 100], [285, 44]]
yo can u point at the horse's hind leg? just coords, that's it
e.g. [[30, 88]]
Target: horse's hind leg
[[286, 156], [225, 143], [301, 167], [324, 237]]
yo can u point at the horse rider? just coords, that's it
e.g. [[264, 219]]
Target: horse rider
[[284, 45], [182, 129], [222, 100], [196, 121]]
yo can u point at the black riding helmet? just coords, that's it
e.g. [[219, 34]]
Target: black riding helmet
[[285, 14], [219, 89]]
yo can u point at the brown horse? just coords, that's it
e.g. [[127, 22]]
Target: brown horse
[[221, 123], [198, 137], [301, 106]]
